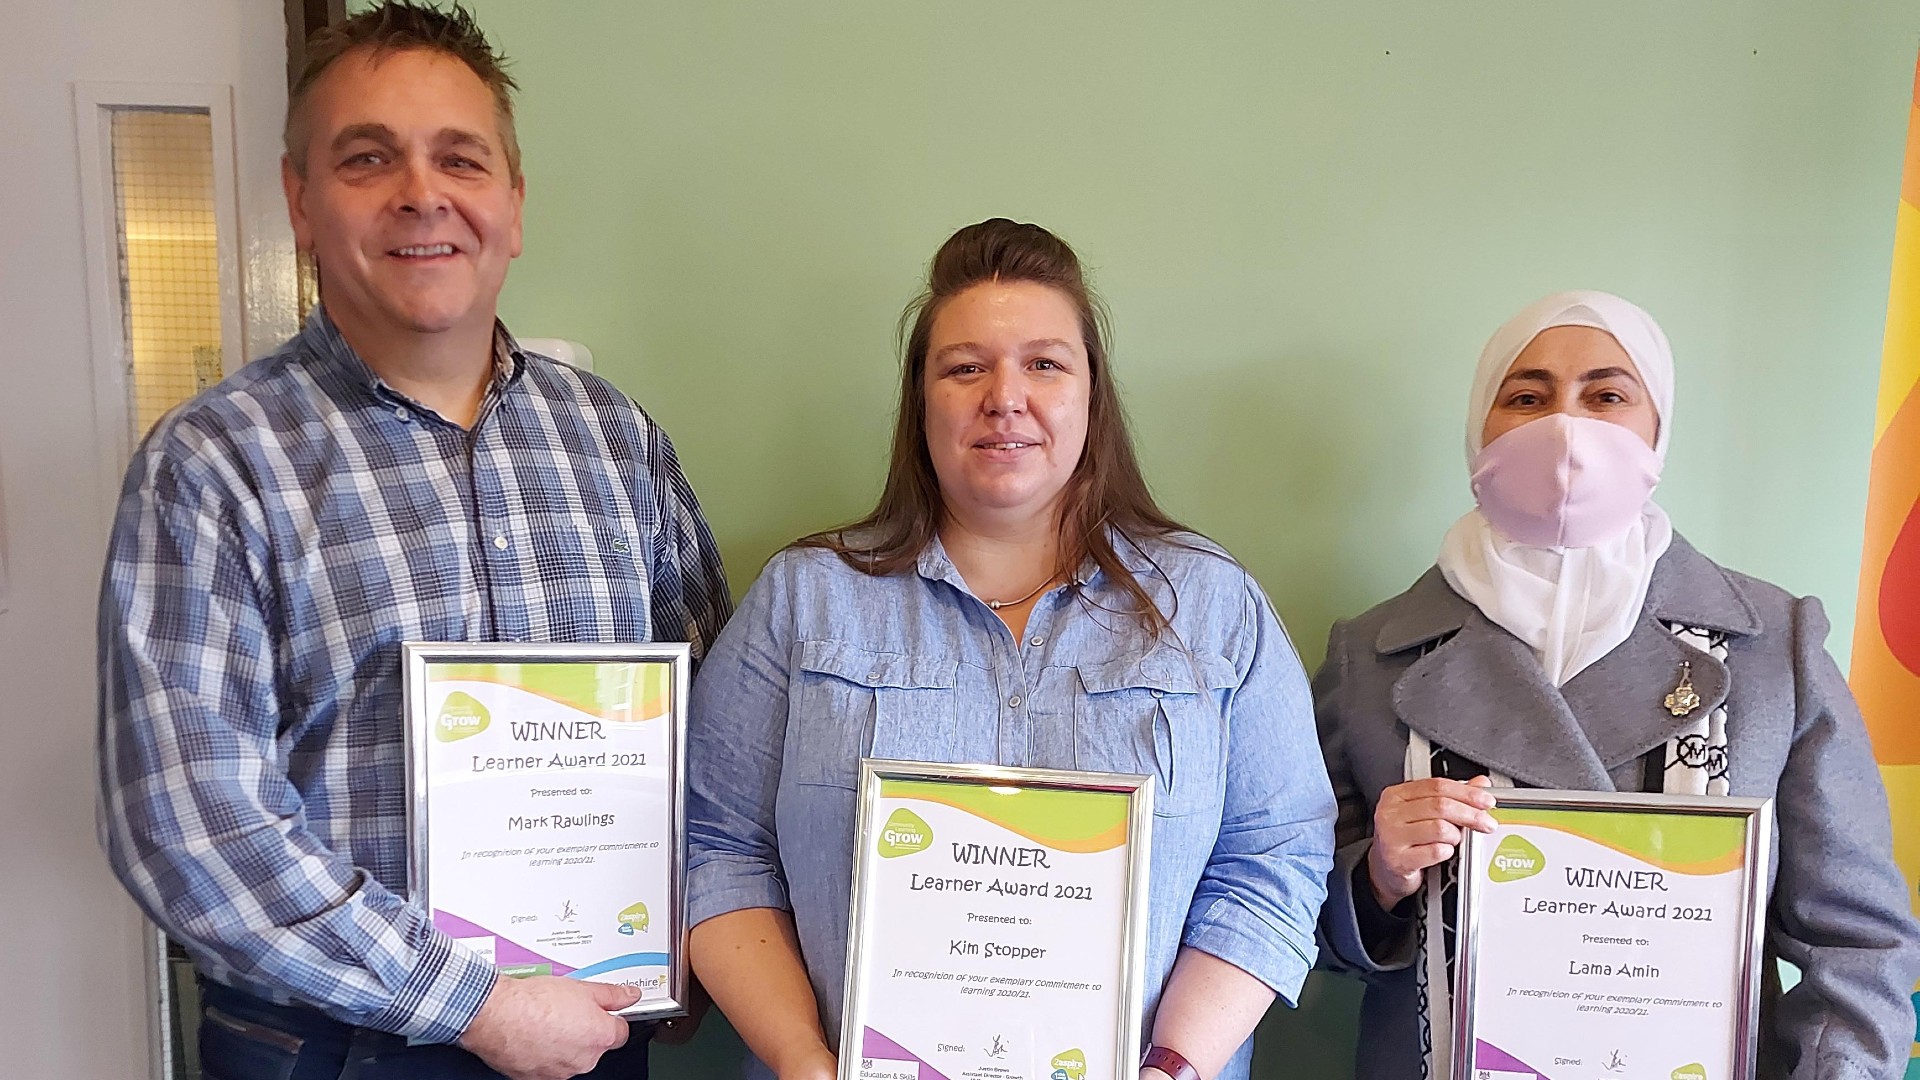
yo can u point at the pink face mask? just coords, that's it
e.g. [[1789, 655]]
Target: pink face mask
[[1564, 481]]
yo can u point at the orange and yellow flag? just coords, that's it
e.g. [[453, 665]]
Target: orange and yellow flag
[[1886, 639]]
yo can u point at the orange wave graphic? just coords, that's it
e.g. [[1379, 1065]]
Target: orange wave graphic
[[1885, 671]]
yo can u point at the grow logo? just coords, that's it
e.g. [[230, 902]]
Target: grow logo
[[904, 833], [1514, 859], [461, 716]]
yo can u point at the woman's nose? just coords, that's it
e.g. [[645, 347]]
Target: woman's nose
[[1006, 392]]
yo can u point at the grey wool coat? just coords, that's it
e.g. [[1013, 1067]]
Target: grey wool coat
[[1839, 908]]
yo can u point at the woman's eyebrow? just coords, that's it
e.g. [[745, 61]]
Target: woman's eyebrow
[[1528, 375], [1605, 373], [969, 347]]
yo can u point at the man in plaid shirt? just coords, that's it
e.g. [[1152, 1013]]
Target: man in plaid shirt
[[400, 470]]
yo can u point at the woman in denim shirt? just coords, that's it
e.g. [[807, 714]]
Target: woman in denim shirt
[[1015, 598]]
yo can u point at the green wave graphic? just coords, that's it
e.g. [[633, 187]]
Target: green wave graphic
[[1682, 843], [1065, 820], [618, 690]]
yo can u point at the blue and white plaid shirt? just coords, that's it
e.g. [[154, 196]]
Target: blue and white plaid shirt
[[277, 539]]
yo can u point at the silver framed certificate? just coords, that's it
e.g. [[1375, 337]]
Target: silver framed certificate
[[545, 804], [1612, 934], [998, 924]]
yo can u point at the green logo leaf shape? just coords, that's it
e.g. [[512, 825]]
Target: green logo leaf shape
[[636, 917], [1070, 1063], [461, 716], [1514, 859], [905, 833], [1690, 1072]]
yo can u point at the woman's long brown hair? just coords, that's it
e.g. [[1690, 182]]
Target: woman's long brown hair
[[1106, 496]]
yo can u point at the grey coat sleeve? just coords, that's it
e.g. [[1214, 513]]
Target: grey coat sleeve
[[1840, 906], [1343, 944]]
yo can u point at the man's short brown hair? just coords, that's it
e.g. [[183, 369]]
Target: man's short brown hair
[[398, 25]]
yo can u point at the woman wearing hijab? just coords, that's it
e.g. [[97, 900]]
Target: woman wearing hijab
[[1016, 598], [1542, 650]]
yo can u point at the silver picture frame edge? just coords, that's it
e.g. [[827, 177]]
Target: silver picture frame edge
[[417, 656], [1759, 852], [1139, 789]]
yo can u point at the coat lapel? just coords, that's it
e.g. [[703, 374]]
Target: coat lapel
[[1622, 697], [1481, 692]]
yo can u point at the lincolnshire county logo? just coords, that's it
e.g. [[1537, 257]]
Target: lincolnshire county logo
[[460, 717], [904, 834], [634, 920], [1690, 1072], [1514, 859], [1069, 1065]]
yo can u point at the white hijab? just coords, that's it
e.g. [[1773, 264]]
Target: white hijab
[[1572, 605]]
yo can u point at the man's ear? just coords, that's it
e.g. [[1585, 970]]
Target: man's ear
[[295, 186], [519, 204]]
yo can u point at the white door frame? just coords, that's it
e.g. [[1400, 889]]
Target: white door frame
[[93, 106]]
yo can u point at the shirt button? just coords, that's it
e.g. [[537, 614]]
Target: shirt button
[[500, 542], [874, 675], [1013, 702], [1159, 693], [401, 414], [1036, 641]]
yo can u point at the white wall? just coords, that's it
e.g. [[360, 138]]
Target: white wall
[[73, 996]]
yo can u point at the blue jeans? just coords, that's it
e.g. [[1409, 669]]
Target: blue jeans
[[245, 1038]]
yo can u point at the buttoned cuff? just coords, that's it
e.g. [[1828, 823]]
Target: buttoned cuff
[[1274, 954], [439, 1000]]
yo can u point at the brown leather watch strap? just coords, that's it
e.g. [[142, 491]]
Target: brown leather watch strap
[[1170, 1062]]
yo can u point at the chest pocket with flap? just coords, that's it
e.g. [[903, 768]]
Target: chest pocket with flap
[[1158, 715], [847, 702]]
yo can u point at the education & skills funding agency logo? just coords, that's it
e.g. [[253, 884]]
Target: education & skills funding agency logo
[[904, 833]]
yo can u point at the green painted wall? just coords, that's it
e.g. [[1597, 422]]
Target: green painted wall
[[1306, 217]]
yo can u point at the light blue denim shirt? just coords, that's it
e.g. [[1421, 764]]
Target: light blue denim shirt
[[824, 664]]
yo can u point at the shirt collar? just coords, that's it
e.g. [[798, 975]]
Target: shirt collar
[[322, 341], [935, 565]]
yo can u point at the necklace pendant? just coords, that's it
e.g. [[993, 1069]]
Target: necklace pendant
[[1684, 699]]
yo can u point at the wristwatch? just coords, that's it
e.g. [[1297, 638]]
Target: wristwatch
[[1170, 1062]]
